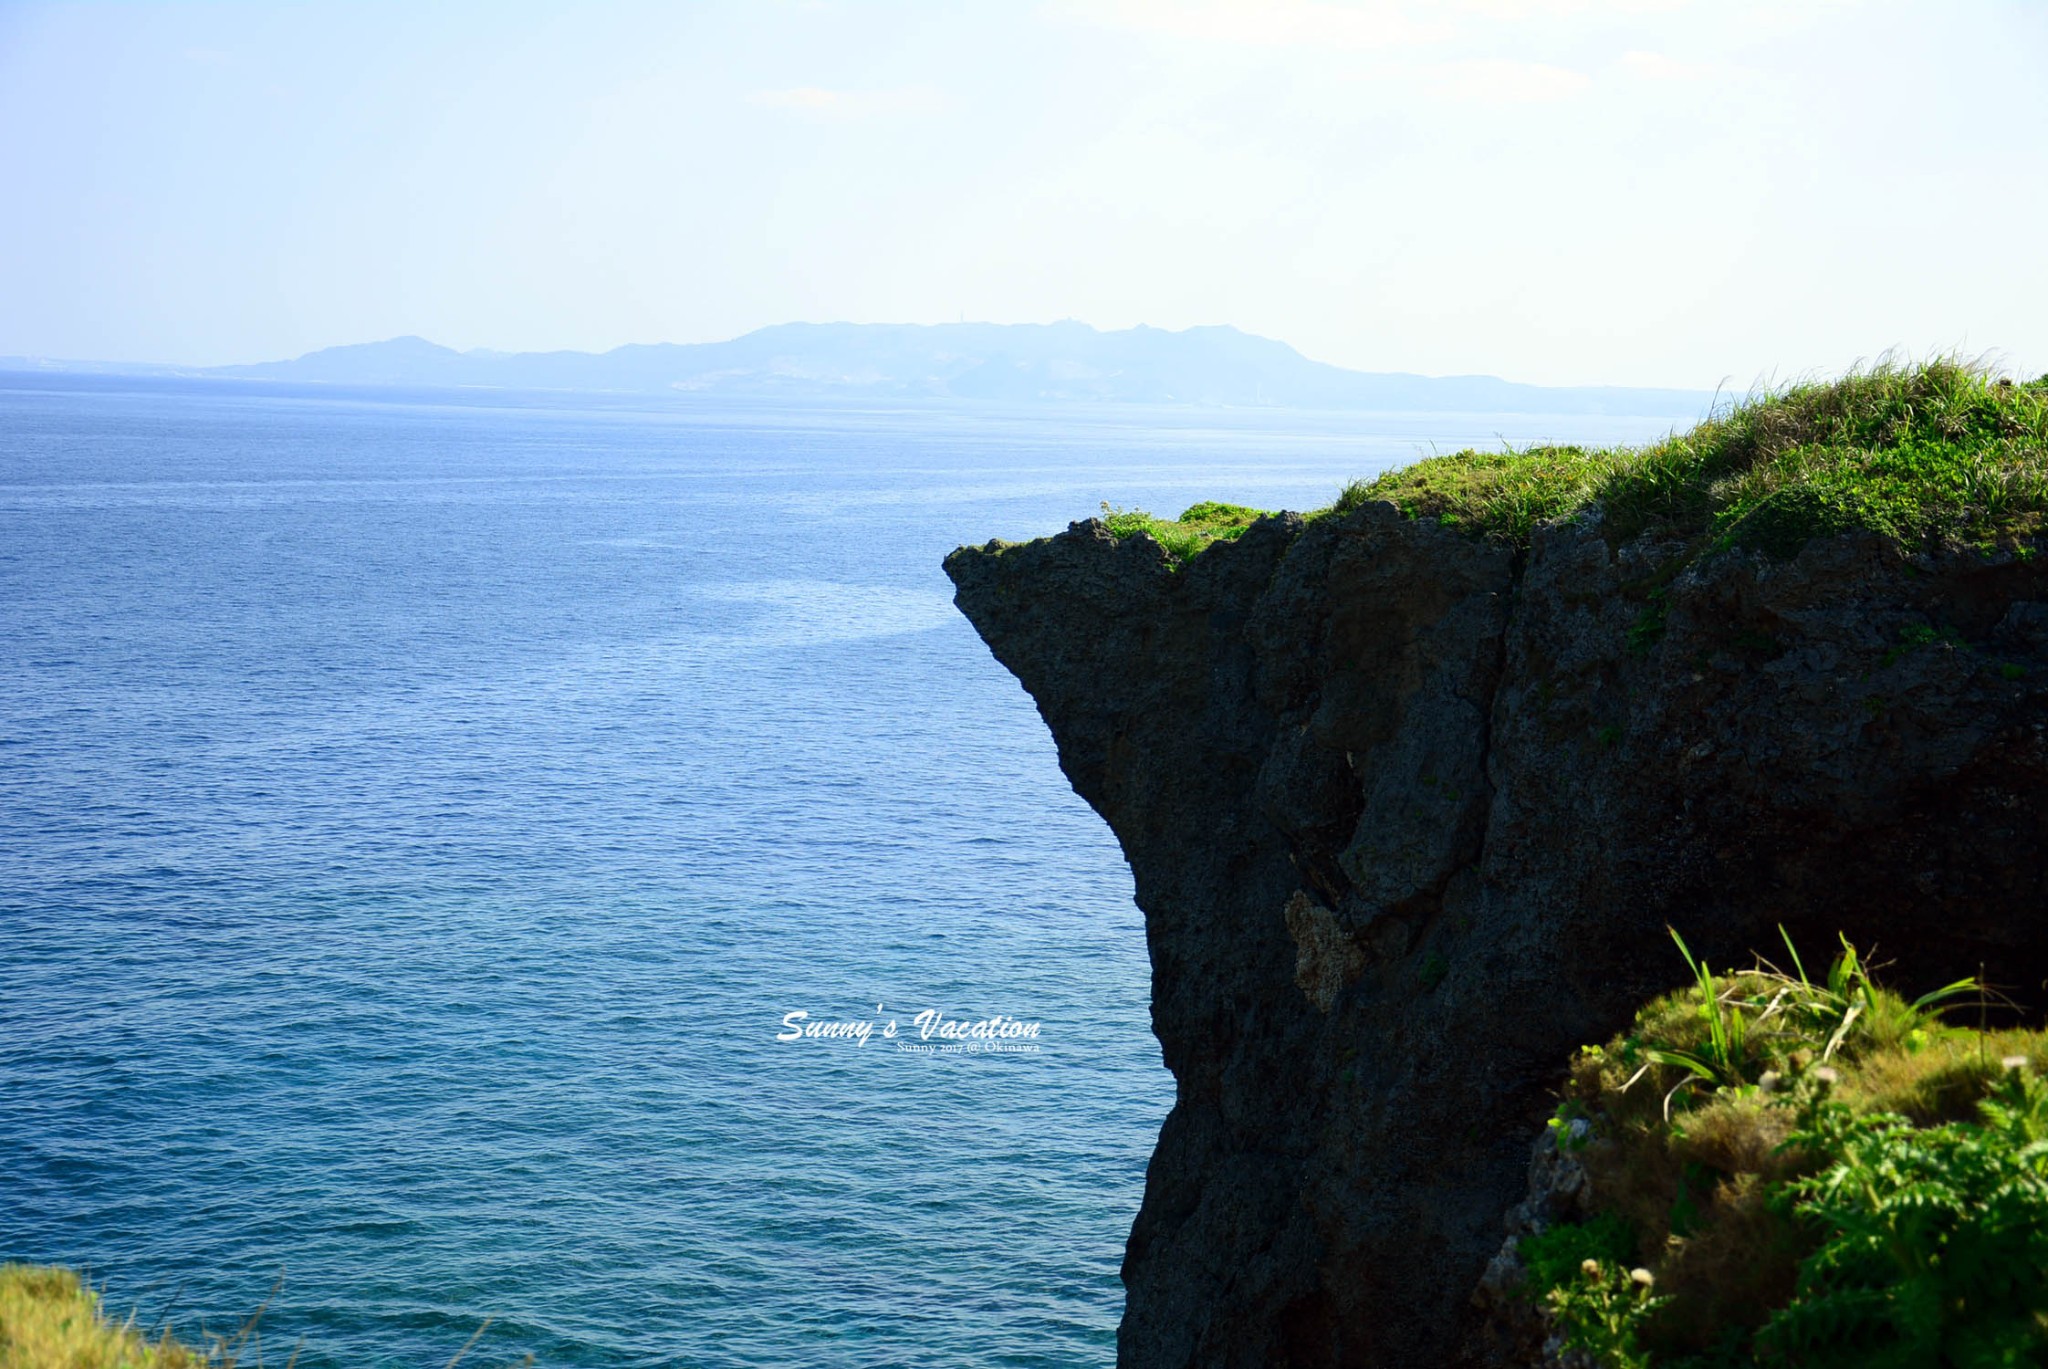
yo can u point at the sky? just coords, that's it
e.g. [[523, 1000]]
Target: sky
[[1660, 192]]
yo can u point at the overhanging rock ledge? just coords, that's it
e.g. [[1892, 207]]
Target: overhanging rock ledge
[[1408, 813]]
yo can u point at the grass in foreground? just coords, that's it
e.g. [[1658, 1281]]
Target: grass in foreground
[[1804, 1172], [49, 1319], [1941, 452]]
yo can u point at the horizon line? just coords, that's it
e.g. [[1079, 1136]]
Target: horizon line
[[196, 370]]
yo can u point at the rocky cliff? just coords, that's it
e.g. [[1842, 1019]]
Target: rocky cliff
[[1408, 812]]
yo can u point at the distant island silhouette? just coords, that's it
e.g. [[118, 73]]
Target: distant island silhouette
[[1064, 362]]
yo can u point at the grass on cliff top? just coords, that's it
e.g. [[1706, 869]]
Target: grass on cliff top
[[1805, 1171], [1186, 536], [1941, 452]]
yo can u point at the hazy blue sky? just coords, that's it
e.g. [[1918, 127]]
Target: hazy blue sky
[[1648, 191]]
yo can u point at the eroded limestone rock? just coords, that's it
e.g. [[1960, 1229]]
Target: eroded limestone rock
[[1494, 779]]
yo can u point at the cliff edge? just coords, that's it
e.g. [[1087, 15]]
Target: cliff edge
[[1410, 796]]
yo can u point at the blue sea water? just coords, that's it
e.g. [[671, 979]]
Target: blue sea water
[[416, 820]]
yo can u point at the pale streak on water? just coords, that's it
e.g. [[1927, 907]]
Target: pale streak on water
[[415, 820]]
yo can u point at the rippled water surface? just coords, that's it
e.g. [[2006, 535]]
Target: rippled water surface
[[416, 820]]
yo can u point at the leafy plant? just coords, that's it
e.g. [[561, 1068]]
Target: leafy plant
[[1581, 1271], [1933, 1240], [1570, 1129], [1554, 1257], [1602, 1312]]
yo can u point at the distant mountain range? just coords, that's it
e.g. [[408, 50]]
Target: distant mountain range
[[1010, 363]]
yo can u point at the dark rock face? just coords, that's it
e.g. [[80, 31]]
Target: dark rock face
[[1408, 815]]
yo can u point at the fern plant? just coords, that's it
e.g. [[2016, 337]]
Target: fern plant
[[1934, 1240]]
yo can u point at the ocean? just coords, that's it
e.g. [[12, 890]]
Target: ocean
[[420, 823]]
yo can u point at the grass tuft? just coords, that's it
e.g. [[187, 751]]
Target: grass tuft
[[1937, 453], [1187, 536]]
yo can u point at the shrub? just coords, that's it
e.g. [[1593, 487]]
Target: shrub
[[1932, 1242], [1813, 1172]]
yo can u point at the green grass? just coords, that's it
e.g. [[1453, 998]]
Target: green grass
[[49, 1319], [1939, 453], [52, 1319], [1188, 535], [1935, 454], [1808, 1171]]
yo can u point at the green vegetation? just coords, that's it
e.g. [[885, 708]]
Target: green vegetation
[[1431, 971], [1353, 494], [1916, 635], [51, 1320], [1795, 1171], [1601, 1308], [1937, 453], [1186, 536]]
